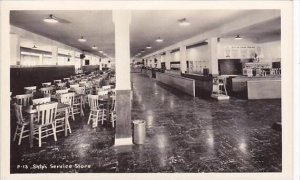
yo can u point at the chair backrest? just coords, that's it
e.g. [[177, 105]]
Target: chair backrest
[[107, 87], [93, 101], [62, 91], [46, 113], [46, 91], [102, 92], [61, 85], [82, 83], [30, 89], [66, 79], [67, 98], [71, 82], [24, 99], [57, 81], [18, 113], [46, 84], [73, 86], [79, 90], [41, 100]]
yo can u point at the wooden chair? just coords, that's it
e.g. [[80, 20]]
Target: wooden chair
[[22, 129], [61, 91], [82, 83], [41, 101], [60, 120], [30, 89], [45, 123], [46, 84], [66, 79], [107, 87], [71, 82], [68, 99], [79, 100], [24, 99], [97, 113], [57, 81], [73, 86], [47, 91], [61, 85], [102, 92]]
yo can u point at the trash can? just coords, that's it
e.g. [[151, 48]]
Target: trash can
[[139, 131]]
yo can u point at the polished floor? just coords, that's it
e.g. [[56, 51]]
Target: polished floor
[[184, 134]]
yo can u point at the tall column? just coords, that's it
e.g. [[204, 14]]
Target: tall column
[[122, 19], [213, 56], [55, 54], [183, 58], [15, 54], [168, 60]]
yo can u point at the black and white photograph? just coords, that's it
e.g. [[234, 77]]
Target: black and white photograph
[[172, 90]]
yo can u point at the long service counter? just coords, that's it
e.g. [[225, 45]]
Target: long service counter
[[183, 84], [257, 87]]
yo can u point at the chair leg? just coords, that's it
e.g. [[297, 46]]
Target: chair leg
[[54, 132], [89, 118], [72, 113], [102, 119], [40, 136], [68, 126], [21, 134], [15, 136]]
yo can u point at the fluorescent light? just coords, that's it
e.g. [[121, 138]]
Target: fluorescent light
[[159, 40], [148, 47], [82, 39], [51, 19], [142, 50], [183, 22], [94, 47], [100, 51], [237, 37]]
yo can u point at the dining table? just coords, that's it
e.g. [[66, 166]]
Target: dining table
[[32, 112]]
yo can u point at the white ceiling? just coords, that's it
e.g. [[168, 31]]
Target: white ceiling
[[146, 26]]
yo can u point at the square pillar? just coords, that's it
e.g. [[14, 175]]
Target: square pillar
[[213, 56], [183, 56], [55, 54], [168, 60], [15, 52], [121, 19]]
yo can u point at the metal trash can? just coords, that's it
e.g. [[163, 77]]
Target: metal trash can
[[139, 131]]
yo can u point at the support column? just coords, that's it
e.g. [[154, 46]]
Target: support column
[[168, 60], [121, 19], [183, 58], [15, 54], [55, 54], [213, 56]]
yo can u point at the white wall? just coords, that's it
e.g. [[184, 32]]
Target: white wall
[[175, 56], [271, 51]]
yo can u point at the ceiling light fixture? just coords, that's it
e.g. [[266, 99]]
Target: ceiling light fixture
[[94, 47], [51, 19], [82, 39], [159, 40], [183, 22], [142, 50], [100, 51], [148, 47], [238, 37], [34, 47]]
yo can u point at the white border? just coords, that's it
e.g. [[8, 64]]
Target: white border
[[287, 70]]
